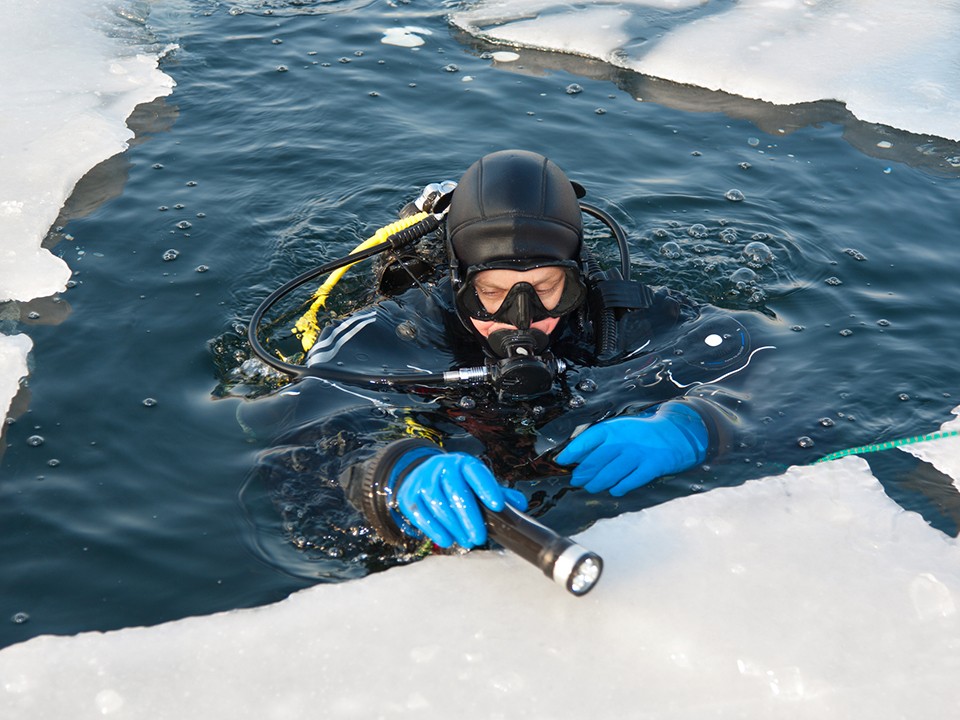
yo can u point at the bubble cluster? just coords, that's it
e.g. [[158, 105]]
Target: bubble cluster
[[170, 255]]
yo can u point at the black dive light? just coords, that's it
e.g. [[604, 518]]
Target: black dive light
[[560, 558]]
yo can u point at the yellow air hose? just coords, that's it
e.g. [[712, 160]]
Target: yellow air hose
[[307, 329]]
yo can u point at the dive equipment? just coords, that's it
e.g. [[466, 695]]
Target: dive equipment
[[519, 366], [558, 557], [522, 303]]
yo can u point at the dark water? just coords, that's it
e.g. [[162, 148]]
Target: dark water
[[293, 135]]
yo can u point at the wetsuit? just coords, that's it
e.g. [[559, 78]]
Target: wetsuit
[[672, 350]]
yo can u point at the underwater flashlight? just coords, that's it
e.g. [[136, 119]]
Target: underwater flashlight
[[560, 558]]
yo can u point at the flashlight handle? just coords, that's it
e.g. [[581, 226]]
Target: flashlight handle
[[557, 556]]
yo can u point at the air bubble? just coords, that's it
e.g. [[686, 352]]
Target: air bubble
[[170, 255], [883, 323], [805, 442], [734, 195], [846, 332], [184, 225], [671, 250], [576, 401], [826, 422], [20, 618], [202, 268], [833, 281], [855, 254], [743, 278], [467, 402], [587, 385], [903, 397], [758, 254], [149, 402], [35, 440], [698, 231], [574, 89], [744, 166], [728, 235], [451, 68]]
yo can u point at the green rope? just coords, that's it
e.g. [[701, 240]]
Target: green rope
[[863, 449]]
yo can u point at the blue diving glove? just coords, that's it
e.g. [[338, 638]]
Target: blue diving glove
[[624, 453], [439, 497]]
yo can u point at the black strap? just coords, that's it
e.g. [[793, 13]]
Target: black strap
[[617, 294]]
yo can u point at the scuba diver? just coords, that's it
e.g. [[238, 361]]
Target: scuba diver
[[496, 362]]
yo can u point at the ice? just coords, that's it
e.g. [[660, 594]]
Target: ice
[[806, 595], [13, 367], [65, 102], [944, 453], [890, 63]]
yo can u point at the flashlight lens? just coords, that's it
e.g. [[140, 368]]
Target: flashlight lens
[[585, 575]]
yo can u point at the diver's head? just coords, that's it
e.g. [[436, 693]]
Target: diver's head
[[514, 236]]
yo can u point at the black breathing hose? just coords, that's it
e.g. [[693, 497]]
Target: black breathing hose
[[618, 234], [607, 342], [393, 242]]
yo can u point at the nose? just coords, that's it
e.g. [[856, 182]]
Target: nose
[[524, 313]]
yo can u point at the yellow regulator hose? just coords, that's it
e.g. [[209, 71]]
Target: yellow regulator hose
[[307, 329]]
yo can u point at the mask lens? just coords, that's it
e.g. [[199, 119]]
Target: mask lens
[[522, 303]]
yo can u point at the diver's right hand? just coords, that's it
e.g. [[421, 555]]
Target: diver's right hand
[[440, 498]]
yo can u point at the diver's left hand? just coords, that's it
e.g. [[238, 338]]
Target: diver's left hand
[[625, 453]]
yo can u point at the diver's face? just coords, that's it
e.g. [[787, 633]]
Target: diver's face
[[492, 287]]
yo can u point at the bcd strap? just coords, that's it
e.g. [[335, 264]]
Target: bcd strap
[[619, 295]]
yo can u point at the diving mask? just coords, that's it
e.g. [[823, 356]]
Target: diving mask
[[522, 305]]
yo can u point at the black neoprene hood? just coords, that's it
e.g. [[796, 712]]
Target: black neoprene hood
[[513, 206]]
